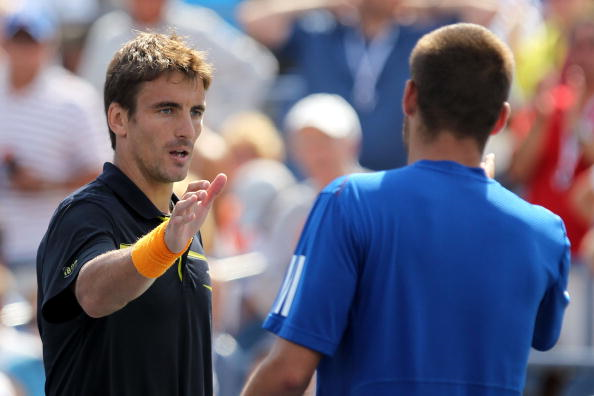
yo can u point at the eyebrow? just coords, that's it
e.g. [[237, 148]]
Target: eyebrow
[[175, 105], [160, 105]]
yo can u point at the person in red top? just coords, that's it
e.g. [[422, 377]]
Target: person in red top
[[557, 135], [556, 148]]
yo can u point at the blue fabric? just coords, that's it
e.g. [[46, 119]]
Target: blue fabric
[[224, 8], [316, 49], [427, 280]]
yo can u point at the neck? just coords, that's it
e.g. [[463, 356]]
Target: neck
[[373, 24], [20, 79], [158, 193], [445, 147]]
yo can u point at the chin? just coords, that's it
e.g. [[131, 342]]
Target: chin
[[177, 176]]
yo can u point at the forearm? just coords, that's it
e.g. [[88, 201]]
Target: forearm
[[270, 379], [528, 154], [269, 21], [79, 180], [108, 282], [287, 370]]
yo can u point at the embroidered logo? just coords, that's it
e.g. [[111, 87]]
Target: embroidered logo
[[70, 269]]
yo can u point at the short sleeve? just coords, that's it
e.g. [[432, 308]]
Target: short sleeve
[[313, 304], [549, 318], [78, 233]]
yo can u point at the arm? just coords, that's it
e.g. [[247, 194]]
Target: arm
[[269, 21], [110, 281], [549, 318], [526, 157], [25, 180], [286, 371], [582, 196]]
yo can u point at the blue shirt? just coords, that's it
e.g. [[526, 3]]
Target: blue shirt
[[427, 280], [317, 51]]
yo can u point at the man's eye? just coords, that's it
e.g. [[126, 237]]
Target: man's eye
[[196, 113], [166, 110]]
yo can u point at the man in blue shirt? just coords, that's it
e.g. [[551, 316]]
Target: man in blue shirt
[[358, 53], [432, 279]]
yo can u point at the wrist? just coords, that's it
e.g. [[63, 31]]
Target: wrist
[[152, 256]]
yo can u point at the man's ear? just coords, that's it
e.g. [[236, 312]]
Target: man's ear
[[409, 99], [502, 119], [117, 119]]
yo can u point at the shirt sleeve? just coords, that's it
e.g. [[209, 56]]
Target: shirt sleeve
[[77, 234], [313, 304], [552, 307]]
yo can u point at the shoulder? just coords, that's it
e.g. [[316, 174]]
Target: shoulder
[[90, 202], [70, 92], [356, 183], [352, 192], [539, 221]]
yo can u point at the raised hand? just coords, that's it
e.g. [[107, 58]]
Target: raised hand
[[189, 213]]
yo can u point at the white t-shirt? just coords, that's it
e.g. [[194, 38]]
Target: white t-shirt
[[56, 130]]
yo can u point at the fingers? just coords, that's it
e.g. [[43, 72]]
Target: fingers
[[215, 188], [202, 192], [198, 185]]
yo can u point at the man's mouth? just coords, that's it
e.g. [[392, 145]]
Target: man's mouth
[[179, 153]]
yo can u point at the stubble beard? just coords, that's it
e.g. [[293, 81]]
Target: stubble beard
[[155, 171]]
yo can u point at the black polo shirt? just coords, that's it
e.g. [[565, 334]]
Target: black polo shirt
[[158, 344]]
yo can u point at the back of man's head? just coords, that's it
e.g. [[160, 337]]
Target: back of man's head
[[463, 74]]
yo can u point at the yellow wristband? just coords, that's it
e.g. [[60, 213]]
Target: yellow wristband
[[151, 256]]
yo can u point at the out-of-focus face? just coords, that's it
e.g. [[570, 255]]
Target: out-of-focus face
[[380, 7], [160, 135], [581, 51], [147, 12], [24, 54], [321, 157]]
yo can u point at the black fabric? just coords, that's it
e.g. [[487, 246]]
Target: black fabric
[[158, 344]]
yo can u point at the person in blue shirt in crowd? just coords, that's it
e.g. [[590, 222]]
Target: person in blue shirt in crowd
[[357, 49], [432, 279]]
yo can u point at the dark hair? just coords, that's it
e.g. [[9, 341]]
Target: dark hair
[[463, 74], [145, 58]]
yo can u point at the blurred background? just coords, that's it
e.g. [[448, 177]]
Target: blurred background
[[304, 91]]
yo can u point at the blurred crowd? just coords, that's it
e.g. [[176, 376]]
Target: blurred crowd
[[304, 91]]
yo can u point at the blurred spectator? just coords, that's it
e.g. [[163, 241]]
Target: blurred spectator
[[246, 69], [325, 138], [324, 135], [52, 136], [515, 21], [556, 146], [252, 135], [20, 352], [557, 133], [356, 49], [544, 51]]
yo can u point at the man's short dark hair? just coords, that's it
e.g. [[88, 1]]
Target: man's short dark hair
[[145, 58], [463, 74]]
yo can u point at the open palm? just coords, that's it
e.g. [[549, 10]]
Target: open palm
[[189, 213]]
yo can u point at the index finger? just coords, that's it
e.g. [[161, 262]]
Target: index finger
[[216, 186]]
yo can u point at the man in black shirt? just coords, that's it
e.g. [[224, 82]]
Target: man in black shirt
[[119, 315]]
